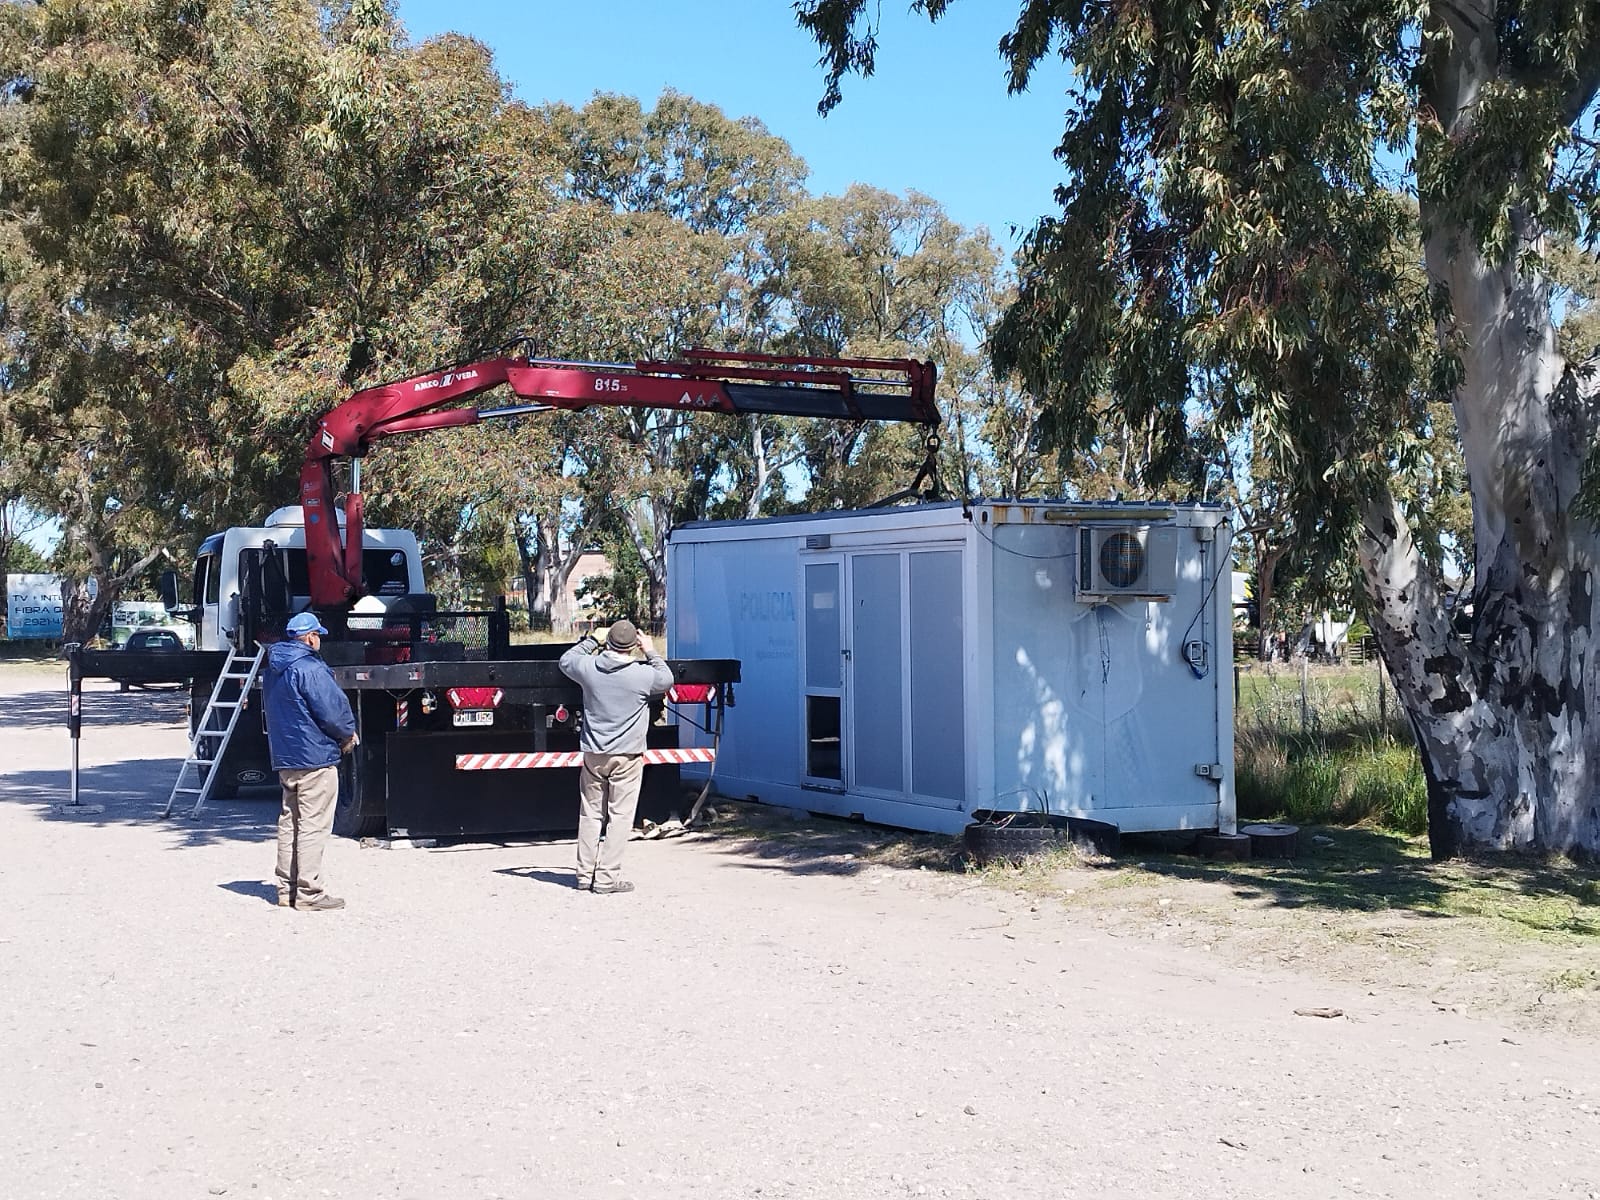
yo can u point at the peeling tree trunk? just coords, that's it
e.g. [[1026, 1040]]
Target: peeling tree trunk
[[1266, 568], [762, 469], [648, 520], [1504, 722]]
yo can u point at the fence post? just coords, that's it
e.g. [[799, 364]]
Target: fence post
[[1383, 699], [1305, 714]]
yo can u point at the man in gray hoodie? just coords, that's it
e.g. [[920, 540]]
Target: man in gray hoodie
[[617, 689]]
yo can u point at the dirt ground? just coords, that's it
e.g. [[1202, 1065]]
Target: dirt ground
[[783, 1009]]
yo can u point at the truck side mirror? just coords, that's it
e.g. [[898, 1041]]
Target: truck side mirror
[[168, 587]]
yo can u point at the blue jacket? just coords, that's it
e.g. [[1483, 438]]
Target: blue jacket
[[307, 715]]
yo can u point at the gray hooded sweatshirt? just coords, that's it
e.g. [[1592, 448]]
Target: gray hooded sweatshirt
[[616, 696]]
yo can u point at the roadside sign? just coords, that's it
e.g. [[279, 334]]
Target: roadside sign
[[33, 606]]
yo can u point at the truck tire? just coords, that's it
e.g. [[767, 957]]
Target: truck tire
[[353, 815], [225, 788]]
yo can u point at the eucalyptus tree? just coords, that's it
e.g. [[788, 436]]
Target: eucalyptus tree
[[218, 221], [690, 192], [1230, 205], [141, 244], [872, 274]]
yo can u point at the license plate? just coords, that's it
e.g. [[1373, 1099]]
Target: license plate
[[473, 716]]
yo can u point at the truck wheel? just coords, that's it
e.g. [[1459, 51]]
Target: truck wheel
[[225, 789], [351, 818]]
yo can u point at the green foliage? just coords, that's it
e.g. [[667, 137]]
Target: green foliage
[[1333, 760], [1234, 225], [622, 593], [216, 223], [22, 559]]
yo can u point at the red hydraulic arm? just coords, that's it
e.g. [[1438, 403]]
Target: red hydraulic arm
[[847, 389]]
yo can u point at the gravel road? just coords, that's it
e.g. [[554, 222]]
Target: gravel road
[[744, 1025]]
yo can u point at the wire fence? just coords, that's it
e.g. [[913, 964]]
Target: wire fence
[[1314, 698]]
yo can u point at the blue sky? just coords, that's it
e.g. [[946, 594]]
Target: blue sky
[[935, 118]]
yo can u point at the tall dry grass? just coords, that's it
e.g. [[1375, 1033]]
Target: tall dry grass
[[1325, 750]]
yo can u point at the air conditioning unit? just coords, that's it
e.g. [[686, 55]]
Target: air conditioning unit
[[1138, 561]]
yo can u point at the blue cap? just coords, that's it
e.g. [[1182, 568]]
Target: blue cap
[[303, 623]]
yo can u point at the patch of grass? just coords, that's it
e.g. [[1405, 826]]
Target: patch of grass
[[1041, 873], [1387, 786], [1350, 870], [540, 637], [1334, 757], [826, 845], [1573, 981]]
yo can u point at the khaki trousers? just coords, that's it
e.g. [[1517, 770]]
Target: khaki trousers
[[303, 826], [608, 794]]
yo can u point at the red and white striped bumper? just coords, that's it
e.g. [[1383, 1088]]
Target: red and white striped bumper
[[569, 758]]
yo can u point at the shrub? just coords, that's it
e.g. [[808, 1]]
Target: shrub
[[1335, 762]]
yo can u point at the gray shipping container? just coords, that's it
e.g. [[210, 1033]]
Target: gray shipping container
[[913, 665]]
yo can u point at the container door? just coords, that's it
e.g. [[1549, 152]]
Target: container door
[[937, 737], [822, 718], [877, 655], [905, 677]]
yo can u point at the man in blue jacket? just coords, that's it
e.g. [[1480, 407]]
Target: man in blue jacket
[[309, 725], [616, 720]]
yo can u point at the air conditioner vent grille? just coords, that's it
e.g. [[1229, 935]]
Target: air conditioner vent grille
[[1122, 560]]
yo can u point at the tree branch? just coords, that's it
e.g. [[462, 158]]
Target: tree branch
[[119, 581]]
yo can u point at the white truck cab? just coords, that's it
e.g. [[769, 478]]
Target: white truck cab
[[391, 564]]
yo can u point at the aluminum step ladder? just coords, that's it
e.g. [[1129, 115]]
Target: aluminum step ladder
[[215, 728]]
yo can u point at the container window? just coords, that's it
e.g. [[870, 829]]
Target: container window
[[823, 622], [823, 759]]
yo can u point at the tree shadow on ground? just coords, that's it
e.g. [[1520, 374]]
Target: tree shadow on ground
[[1349, 870], [133, 792], [1375, 871], [47, 708], [782, 839]]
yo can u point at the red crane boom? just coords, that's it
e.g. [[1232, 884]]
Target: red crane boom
[[846, 389]]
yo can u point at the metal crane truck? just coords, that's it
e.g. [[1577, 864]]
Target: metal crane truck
[[455, 740]]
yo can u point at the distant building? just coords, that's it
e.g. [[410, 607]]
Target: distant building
[[569, 609]]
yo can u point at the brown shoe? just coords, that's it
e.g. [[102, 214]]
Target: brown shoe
[[613, 889], [322, 903]]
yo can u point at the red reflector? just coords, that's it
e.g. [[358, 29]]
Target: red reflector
[[478, 697], [691, 693], [561, 713]]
